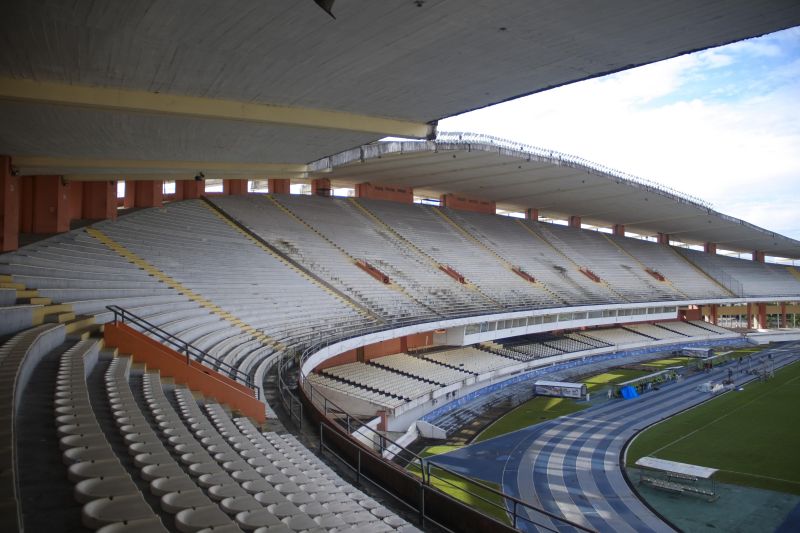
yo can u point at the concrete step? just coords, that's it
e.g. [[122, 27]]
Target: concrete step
[[35, 300], [59, 318], [80, 325], [28, 293]]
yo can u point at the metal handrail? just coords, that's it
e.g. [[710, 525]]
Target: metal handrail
[[183, 347]]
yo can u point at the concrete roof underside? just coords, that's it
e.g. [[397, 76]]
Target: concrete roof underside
[[193, 67], [556, 184]]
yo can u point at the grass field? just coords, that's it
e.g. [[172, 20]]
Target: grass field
[[666, 363], [752, 436], [541, 408], [462, 489]]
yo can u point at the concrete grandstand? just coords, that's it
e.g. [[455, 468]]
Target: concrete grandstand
[[152, 328]]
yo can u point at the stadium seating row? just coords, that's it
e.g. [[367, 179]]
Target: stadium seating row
[[393, 380]]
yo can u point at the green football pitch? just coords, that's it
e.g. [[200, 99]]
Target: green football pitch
[[751, 436]]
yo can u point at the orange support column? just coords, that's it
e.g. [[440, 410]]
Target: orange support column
[[762, 316], [710, 247], [48, 208], [189, 189], [279, 186], [663, 238], [75, 192], [321, 187], [100, 200], [391, 193], [783, 314], [759, 256], [749, 315], [234, 187], [714, 314], [532, 214], [462, 203], [575, 221], [618, 229], [9, 206], [148, 193]]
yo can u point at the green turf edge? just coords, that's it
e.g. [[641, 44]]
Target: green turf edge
[[652, 438], [543, 408], [466, 491], [533, 411]]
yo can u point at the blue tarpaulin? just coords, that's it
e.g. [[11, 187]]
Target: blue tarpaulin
[[629, 392]]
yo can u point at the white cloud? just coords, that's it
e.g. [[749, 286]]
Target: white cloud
[[715, 124]]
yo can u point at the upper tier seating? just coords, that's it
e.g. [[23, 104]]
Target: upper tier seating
[[225, 268], [437, 238], [342, 222], [510, 239], [746, 278], [318, 254], [592, 250], [664, 260]]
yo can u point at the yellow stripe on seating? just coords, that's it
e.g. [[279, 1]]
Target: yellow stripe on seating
[[181, 288], [266, 249]]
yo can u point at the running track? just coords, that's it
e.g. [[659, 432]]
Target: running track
[[571, 466]]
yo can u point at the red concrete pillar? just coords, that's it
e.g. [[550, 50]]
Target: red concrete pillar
[[47, 209], [759, 256], [462, 203], [663, 238], [279, 186], [321, 187], [710, 247], [749, 315], [9, 206], [149, 193], [189, 189], [618, 230], [783, 315], [575, 221], [390, 193], [714, 314], [234, 187], [130, 195], [532, 214], [100, 200], [762, 315], [75, 192]]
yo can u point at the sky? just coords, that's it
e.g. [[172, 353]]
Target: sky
[[722, 124]]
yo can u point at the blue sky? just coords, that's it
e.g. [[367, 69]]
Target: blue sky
[[722, 124]]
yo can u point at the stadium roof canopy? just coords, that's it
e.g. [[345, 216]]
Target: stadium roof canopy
[[271, 83], [518, 177]]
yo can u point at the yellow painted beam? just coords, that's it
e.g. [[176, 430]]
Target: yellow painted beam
[[169, 176], [132, 169], [209, 108]]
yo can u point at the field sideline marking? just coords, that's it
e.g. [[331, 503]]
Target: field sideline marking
[[793, 482], [770, 391]]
